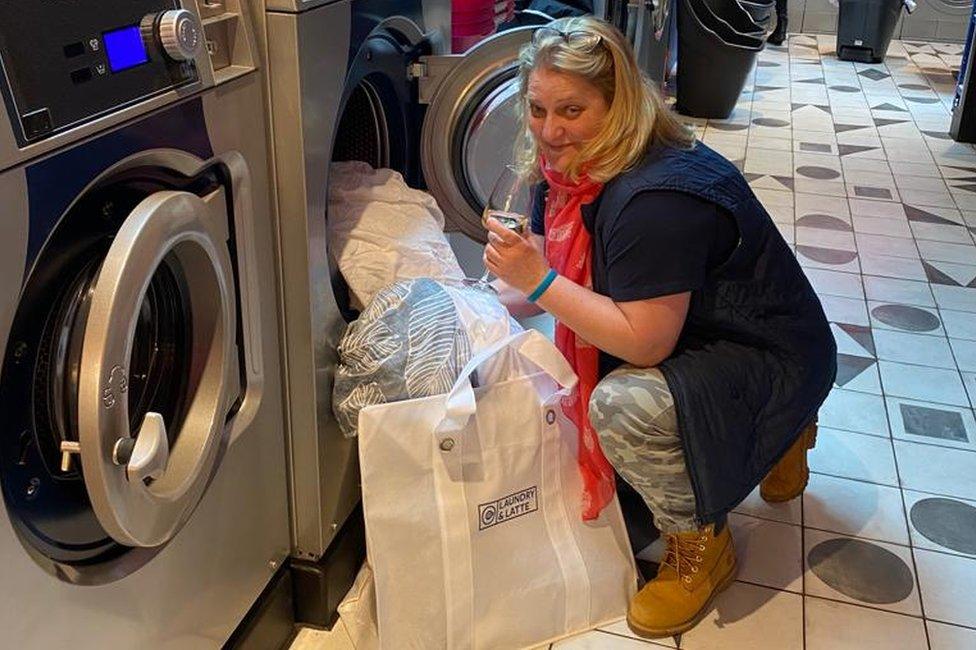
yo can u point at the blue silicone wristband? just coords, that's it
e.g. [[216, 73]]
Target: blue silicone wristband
[[541, 289]]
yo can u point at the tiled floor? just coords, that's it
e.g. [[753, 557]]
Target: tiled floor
[[856, 167]]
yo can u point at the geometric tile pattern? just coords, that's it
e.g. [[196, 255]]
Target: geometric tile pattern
[[862, 570], [919, 215], [947, 522], [849, 367], [906, 317], [861, 334], [823, 221], [874, 74], [933, 422], [960, 275]]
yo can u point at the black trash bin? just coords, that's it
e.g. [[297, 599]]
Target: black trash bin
[[714, 61], [761, 12], [865, 28]]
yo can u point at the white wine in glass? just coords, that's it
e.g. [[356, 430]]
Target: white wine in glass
[[517, 223], [509, 204]]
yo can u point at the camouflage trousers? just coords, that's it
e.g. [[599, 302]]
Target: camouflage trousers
[[632, 411]]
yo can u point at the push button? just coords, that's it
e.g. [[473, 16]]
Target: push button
[[37, 123], [81, 75], [74, 49]]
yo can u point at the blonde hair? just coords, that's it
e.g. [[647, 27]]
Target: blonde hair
[[637, 116]]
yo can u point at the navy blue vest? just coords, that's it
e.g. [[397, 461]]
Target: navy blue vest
[[762, 358]]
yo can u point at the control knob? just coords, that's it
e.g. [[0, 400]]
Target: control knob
[[180, 34]]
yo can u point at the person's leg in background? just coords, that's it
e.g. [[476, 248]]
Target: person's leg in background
[[782, 24], [788, 478], [633, 412]]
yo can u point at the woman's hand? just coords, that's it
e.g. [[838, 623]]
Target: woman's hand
[[641, 332], [514, 258]]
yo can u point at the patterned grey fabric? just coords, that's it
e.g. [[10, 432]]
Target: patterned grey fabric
[[632, 411], [411, 341]]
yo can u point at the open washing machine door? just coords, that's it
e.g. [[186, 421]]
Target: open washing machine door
[[123, 365], [471, 125], [142, 479]]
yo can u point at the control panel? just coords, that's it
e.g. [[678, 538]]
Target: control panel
[[65, 62]]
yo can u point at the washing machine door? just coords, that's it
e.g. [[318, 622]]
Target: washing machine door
[[144, 481], [471, 126]]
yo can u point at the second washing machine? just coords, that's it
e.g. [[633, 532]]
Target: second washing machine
[[367, 80]]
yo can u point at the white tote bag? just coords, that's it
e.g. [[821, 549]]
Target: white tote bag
[[472, 506]]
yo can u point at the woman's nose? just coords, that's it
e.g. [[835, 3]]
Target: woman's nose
[[552, 130]]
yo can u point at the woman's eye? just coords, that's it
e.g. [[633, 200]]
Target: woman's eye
[[537, 111], [573, 110]]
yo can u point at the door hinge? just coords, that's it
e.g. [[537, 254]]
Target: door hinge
[[430, 71], [416, 70]]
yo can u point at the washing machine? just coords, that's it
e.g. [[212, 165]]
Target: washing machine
[[367, 80], [937, 20], [142, 456]]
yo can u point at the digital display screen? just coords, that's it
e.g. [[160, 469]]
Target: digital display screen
[[125, 48]]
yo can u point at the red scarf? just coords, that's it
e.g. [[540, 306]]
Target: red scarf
[[568, 251]]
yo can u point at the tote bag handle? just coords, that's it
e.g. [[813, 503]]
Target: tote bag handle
[[530, 345]]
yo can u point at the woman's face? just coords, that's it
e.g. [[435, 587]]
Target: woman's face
[[565, 111]]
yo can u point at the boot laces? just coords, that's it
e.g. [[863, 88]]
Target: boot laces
[[684, 555]]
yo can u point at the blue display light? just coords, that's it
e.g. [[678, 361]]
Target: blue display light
[[125, 48]]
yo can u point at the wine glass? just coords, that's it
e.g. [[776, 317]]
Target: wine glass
[[509, 204]]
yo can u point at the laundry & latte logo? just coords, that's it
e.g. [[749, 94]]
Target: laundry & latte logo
[[507, 508]]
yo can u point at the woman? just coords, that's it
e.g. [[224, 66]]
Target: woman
[[779, 34], [703, 352]]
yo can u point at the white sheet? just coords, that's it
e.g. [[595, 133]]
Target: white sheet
[[382, 230]]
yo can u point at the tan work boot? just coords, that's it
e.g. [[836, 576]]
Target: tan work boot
[[789, 476], [697, 566]]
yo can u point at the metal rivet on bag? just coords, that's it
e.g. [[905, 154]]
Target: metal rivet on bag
[[447, 444], [550, 416]]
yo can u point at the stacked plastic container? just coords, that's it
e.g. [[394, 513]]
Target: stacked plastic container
[[718, 42], [761, 12]]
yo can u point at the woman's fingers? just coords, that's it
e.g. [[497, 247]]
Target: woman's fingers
[[501, 232], [491, 255], [518, 265]]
